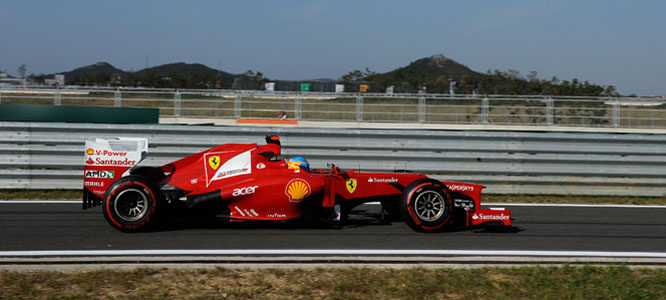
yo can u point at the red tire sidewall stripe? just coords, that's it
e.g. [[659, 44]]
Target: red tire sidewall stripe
[[448, 196], [416, 219], [108, 202], [409, 197]]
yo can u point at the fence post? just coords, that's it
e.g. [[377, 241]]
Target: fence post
[[549, 111], [484, 109], [422, 101], [57, 100], [0, 94], [117, 98], [359, 108], [237, 106], [297, 107], [616, 113], [176, 103]]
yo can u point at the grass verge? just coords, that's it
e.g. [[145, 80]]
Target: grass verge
[[567, 282], [17, 194]]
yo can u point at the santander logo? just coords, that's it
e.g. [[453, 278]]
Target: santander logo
[[490, 217]]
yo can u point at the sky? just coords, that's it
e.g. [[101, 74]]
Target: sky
[[620, 43]]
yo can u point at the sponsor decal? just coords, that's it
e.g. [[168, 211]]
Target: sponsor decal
[[351, 185], [112, 162], [245, 191], [490, 217], [235, 166], [254, 212], [230, 173], [194, 181], [93, 183], [297, 190], [461, 188], [261, 166], [214, 162], [463, 203], [91, 151], [382, 180], [99, 174], [239, 211], [276, 215], [90, 161]]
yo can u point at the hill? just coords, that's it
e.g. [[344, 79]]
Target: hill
[[182, 75], [436, 73], [429, 68], [184, 70], [98, 72], [179, 75]]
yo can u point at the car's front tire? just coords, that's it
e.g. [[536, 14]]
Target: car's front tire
[[426, 205], [132, 204]]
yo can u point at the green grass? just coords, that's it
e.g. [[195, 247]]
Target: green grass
[[567, 282], [16, 194]]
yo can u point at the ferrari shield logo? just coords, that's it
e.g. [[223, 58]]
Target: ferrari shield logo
[[214, 162], [351, 185]]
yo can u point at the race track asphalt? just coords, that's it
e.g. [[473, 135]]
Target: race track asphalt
[[64, 226]]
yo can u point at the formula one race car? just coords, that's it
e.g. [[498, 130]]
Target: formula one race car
[[249, 182]]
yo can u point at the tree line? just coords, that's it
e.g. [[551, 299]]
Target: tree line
[[509, 82]]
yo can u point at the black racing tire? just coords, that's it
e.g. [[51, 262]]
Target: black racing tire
[[426, 205], [132, 204]]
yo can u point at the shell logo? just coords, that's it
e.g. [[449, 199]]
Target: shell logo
[[90, 151], [297, 190]]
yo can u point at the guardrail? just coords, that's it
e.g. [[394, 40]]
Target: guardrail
[[613, 112], [50, 155]]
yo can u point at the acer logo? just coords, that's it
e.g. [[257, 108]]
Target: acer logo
[[245, 191]]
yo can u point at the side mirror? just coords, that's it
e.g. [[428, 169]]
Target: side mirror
[[273, 139]]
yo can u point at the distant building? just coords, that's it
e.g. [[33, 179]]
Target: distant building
[[6, 80], [58, 79]]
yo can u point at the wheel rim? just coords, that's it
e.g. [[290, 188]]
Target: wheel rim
[[131, 205], [429, 206]]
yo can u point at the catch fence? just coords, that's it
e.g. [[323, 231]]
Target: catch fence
[[525, 110]]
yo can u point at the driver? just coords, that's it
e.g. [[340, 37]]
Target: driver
[[298, 163]]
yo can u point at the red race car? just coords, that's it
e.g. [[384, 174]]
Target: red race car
[[249, 182]]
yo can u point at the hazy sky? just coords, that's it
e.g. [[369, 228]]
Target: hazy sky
[[622, 43]]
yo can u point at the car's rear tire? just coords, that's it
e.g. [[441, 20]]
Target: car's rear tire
[[426, 205], [132, 204]]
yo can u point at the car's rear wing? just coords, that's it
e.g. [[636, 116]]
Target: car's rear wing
[[107, 160]]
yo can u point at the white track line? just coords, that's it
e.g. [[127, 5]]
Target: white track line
[[377, 203], [574, 205], [374, 252], [560, 205], [40, 201]]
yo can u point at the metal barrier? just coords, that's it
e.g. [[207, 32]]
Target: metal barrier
[[50, 155], [611, 112]]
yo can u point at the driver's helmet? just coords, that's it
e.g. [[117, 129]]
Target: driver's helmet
[[298, 163]]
